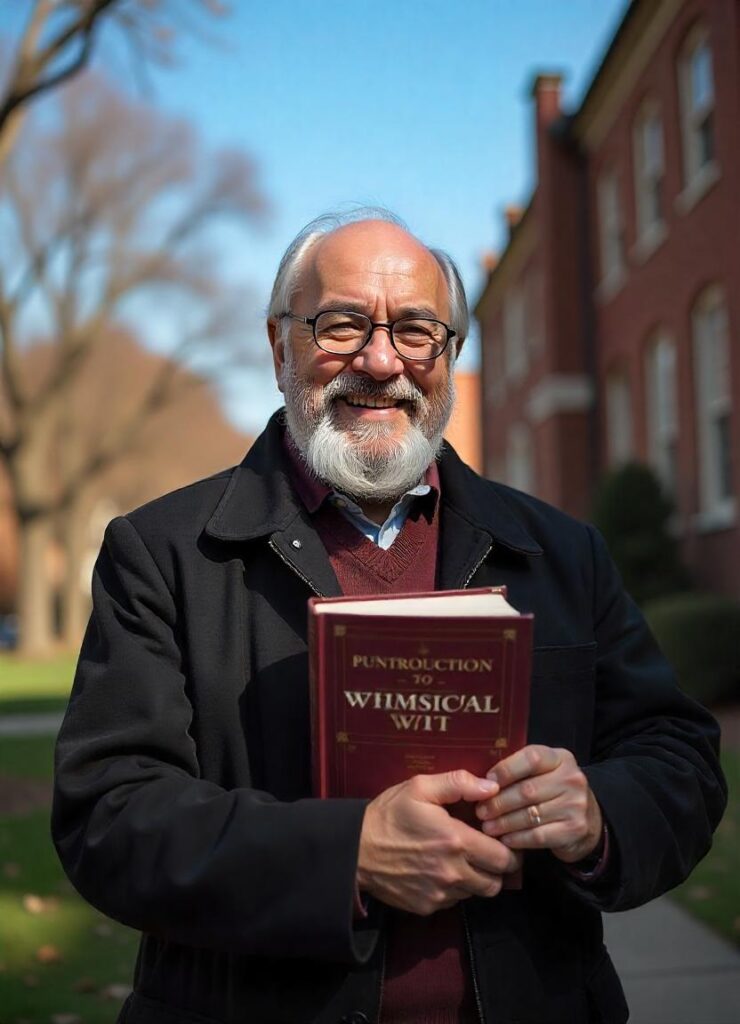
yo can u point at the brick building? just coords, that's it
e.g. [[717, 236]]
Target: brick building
[[610, 323]]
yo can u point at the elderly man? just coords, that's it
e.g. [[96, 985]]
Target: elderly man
[[183, 801]]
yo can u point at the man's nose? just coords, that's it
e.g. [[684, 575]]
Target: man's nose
[[378, 358]]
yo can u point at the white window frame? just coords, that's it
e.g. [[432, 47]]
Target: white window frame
[[649, 167], [712, 381], [694, 112], [520, 457], [620, 441], [516, 349], [661, 410], [611, 233]]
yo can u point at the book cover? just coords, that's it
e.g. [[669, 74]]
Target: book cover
[[409, 684]]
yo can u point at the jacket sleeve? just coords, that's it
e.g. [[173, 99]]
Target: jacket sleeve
[[655, 769], [150, 843]]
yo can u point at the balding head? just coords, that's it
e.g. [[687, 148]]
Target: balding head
[[335, 237]]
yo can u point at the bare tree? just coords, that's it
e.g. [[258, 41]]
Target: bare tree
[[60, 36], [109, 216]]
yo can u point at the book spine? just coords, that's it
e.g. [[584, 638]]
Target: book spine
[[317, 695]]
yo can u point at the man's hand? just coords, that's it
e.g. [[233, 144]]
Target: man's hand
[[544, 802], [415, 856]]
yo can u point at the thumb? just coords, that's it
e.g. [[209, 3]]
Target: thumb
[[449, 787]]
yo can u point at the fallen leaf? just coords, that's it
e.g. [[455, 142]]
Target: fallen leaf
[[65, 1018], [85, 985], [699, 892], [48, 955], [40, 904], [11, 870], [116, 992], [32, 903]]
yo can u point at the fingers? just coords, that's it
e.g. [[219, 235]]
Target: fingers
[[489, 855], [531, 760], [449, 787], [538, 792]]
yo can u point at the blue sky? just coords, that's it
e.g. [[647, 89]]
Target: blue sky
[[419, 105]]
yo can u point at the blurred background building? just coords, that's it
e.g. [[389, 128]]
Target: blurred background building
[[610, 321]]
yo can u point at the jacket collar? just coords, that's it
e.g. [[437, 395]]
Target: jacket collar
[[260, 500]]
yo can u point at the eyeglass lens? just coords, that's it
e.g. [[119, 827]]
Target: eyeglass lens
[[345, 332]]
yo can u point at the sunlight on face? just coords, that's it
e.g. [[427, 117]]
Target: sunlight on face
[[370, 423]]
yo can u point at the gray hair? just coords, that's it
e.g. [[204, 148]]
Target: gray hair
[[294, 257]]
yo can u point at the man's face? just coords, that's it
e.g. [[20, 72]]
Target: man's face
[[373, 421]]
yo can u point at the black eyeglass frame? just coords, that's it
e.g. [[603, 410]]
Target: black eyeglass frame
[[310, 321]]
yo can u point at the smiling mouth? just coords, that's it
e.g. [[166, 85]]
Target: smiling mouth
[[368, 402]]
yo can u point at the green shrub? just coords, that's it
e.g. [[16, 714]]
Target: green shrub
[[633, 513], [700, 635]]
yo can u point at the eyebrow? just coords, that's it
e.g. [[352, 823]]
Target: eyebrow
[[356, 307]]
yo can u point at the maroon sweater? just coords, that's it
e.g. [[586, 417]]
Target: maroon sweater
[[427, 980]]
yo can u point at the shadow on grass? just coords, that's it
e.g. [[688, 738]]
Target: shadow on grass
[[60, 956]]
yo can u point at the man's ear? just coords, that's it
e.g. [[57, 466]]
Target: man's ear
[[277, 344]]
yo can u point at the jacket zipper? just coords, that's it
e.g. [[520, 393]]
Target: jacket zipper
[[381, 983], [477, 566], [471, 957], [473, 974], [294, 567]]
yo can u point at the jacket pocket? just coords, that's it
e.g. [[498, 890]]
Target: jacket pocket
[[606, 1001], [563, 694]]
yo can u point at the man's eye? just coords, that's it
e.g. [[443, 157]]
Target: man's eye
[[342, 325]]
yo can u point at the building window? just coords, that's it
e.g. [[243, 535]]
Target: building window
[[494, 382], [516, 354], [662, 418], [535, 313], [619, 438], [649, 169], [611, 231], [696, 90], [519, 458], [712, 376]]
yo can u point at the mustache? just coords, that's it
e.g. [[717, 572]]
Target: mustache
[[398, 390]]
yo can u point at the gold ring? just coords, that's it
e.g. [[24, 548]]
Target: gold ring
[[534, 814]]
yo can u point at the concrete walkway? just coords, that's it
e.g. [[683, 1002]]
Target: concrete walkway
[[674, 969], [30, 725]]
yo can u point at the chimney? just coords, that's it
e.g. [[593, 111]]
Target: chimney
[[488, 261], [546, 91], [512, 214]]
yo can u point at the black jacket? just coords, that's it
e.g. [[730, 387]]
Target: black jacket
[[182, 802]]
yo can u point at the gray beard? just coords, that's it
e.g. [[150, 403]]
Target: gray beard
[[364, 462]]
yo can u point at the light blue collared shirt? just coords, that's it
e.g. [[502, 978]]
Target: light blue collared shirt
[[386, 533]]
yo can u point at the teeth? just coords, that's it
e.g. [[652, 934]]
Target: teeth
[[371, 403]]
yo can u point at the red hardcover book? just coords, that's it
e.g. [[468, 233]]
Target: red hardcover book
[[415, 683]]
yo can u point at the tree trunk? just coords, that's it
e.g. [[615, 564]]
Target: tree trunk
[[35, 590], [75, 588]]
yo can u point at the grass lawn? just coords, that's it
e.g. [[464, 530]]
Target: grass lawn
[[57, 955], [28, 686]]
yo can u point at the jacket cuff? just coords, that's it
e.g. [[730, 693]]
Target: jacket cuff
[[591, 868]]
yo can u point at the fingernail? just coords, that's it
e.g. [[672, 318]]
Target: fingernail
[[492, 775], [488, 785]]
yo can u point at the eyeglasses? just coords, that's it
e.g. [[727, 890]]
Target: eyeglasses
[[344, 333]]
